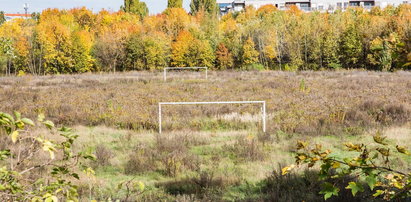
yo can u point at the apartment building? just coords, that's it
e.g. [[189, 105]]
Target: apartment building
[[306, 5], [10, 16]]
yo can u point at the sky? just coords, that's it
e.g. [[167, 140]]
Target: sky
[[16, 6]]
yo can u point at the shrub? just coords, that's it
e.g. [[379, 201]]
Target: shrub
[[247, 148], [103, 155], [169, 153], [369, 166], [174, 155], [26, 173], [370, 112], [142, 159]]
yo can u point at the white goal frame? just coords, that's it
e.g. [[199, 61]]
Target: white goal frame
[[184, 68], [263, 109]]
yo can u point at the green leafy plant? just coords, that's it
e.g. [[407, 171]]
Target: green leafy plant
[[370, 166], [26, 173]]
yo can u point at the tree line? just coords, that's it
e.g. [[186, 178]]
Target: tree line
[[78, 40]]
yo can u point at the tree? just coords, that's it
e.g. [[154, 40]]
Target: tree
[[147, 51], [175, 4], [209, 6], [189, 51], [180, 48], [250, 55], [136, 7], [82, 42], [175, 20], [384, 51], [224, 57], [2, 17], [35, 16], [55, 39], [109, 50], [350, 48], [7, 51], [329, 50]]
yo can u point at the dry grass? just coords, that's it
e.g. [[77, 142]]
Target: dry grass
[[207, 150], [328, 102]]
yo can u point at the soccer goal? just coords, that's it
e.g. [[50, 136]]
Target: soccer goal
[[262, 103], [184, 68]]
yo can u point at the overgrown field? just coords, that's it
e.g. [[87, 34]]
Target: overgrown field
[[215, 153]]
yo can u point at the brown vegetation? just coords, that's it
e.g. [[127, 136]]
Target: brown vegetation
[[303, 102]]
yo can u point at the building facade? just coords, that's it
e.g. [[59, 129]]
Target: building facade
[[10, 16], [227, 6]]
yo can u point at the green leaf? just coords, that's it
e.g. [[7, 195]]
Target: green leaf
[[48, 124], [75, 175], [27, 121], [8, 117], [17, 115], [4, 154], [371, 181], [19, 124], [355, 188], [329, 190], [378, 192]]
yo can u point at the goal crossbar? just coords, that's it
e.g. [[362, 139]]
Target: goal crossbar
[[183, 68], [263, 109]]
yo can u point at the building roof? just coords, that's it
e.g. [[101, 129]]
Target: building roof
[[16, 15]]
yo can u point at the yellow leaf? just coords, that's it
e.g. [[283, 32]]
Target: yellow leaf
[[402, 149], [302, 157], [336, 165], [14, 136], [287, 169], [301, 144], [51, 154], [141, 186]]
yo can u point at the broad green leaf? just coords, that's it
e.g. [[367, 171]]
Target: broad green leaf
[[329, 190], [27, 121], [8, 117], [371, 181], [355, 188], [14, 136], [48, 124]]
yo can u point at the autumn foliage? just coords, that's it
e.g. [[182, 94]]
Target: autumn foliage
[[78, 40]]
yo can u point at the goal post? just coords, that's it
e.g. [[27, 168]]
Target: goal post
[[183, 68], [262, 103]]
